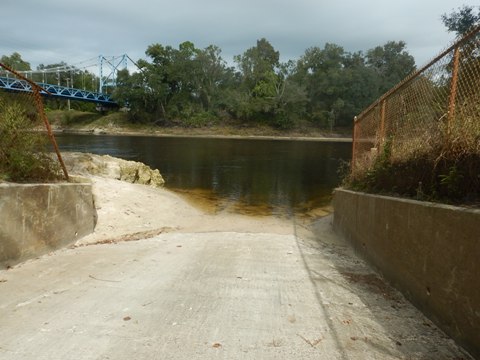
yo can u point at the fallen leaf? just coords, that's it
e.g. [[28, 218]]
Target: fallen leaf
[[126, 318], [216, 345]]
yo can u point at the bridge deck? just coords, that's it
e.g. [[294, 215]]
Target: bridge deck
[[14, 84]]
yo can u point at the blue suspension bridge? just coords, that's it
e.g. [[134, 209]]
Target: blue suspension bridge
[[66, 75]]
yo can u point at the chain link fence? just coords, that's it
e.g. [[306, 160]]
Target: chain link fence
[[432, 116], [24, 150]]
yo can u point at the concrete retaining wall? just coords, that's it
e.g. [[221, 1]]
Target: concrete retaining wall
[[430, 252], [38, 218]]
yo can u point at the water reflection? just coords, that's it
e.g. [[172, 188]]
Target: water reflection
[[248, 176]]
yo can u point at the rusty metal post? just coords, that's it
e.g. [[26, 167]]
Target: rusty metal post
[[382, 125], [43, 116], [453, 89], [36, 89], [354, 142]]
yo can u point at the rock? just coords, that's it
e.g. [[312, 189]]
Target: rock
[[113, 168], [98, 131]]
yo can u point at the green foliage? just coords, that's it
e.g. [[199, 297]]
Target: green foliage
[[327, 87], [391, 62], [462, 20], [15, 62], [340, 85], [200, 119], [23, 153], [452, 181]]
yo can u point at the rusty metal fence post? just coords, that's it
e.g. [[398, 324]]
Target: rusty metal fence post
[[354, 142], [382, 125], [453, 89], [36, 90]]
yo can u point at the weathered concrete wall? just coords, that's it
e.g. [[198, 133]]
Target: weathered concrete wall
[[430, 252], [38, 218]]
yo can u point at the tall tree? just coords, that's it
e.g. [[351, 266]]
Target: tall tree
[[212, 77], [259, 66], [392, 62], [322, 71], [361, 84], [15, 62], [258, 63], [462, 20], [176, 84]]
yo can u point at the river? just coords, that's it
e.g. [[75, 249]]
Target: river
[[249, 176]]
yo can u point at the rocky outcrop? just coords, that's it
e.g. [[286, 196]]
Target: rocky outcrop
[[111, 167]]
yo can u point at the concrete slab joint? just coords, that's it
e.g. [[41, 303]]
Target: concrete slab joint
[[428, 251], [39, 218]]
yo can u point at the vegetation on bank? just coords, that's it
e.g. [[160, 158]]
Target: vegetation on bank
[[326, 86], [196, 88], [445, 168], [24, 154], [119, 123]]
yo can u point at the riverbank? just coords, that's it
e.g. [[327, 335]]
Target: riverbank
[[117, 123]]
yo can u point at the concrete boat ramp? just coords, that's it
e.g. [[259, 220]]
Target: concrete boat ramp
[[298, 293]]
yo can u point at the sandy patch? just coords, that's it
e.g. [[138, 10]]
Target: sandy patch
[[127, 211]]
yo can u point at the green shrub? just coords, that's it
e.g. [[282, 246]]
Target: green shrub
[[23, 153], [200, 119]]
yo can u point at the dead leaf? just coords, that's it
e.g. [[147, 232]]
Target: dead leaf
[[126, 318], [217, 345]]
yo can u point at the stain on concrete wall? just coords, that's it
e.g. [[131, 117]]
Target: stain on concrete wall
[[38, 218], [428, 251]]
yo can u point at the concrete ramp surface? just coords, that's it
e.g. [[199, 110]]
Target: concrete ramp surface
[[212, 295]]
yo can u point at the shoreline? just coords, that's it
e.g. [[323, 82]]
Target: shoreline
[[117, 124], [127, 211], [109, 132]]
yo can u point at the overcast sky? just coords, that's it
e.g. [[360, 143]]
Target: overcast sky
[[50, 31]]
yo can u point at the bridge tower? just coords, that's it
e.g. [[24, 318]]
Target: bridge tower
[[109, 67]]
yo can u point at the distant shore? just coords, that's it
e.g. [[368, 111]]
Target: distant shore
[[205, 136], [76, 122]]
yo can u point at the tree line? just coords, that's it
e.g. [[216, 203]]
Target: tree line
[[189, 86], [325, 86], [196, 87]]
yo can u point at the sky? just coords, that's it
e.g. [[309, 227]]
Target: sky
[[51, 31]]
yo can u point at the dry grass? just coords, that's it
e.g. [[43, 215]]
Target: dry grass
[[441, 164]]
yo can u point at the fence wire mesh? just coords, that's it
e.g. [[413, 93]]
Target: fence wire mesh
[[433, 111], [23, 149]]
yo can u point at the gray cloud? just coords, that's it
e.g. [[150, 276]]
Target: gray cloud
[[51, 31]]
